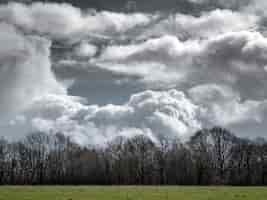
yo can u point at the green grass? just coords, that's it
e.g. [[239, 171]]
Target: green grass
[[132, 193]]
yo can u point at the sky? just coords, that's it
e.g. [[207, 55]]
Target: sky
[[96, 71]]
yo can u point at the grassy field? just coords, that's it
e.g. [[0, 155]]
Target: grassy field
[[132, 193]]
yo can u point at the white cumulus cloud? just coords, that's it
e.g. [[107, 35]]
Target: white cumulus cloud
[[158, 115]]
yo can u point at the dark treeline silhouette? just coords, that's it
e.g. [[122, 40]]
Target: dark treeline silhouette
[[210, 157]]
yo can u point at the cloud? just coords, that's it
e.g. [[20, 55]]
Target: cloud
[[63, 21], [155, 114], [208, 24], [25, 69], [233, 58], [66, 22], [223, 106], [228, 4], [85, 50], [158, 115], [155, 60], [214, 62]]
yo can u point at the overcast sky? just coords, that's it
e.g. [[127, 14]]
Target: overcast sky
[[93, 70]]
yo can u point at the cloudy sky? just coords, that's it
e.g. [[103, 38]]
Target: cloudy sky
[[98, 71]]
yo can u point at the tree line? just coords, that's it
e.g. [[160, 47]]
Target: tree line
[[210, 157]]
